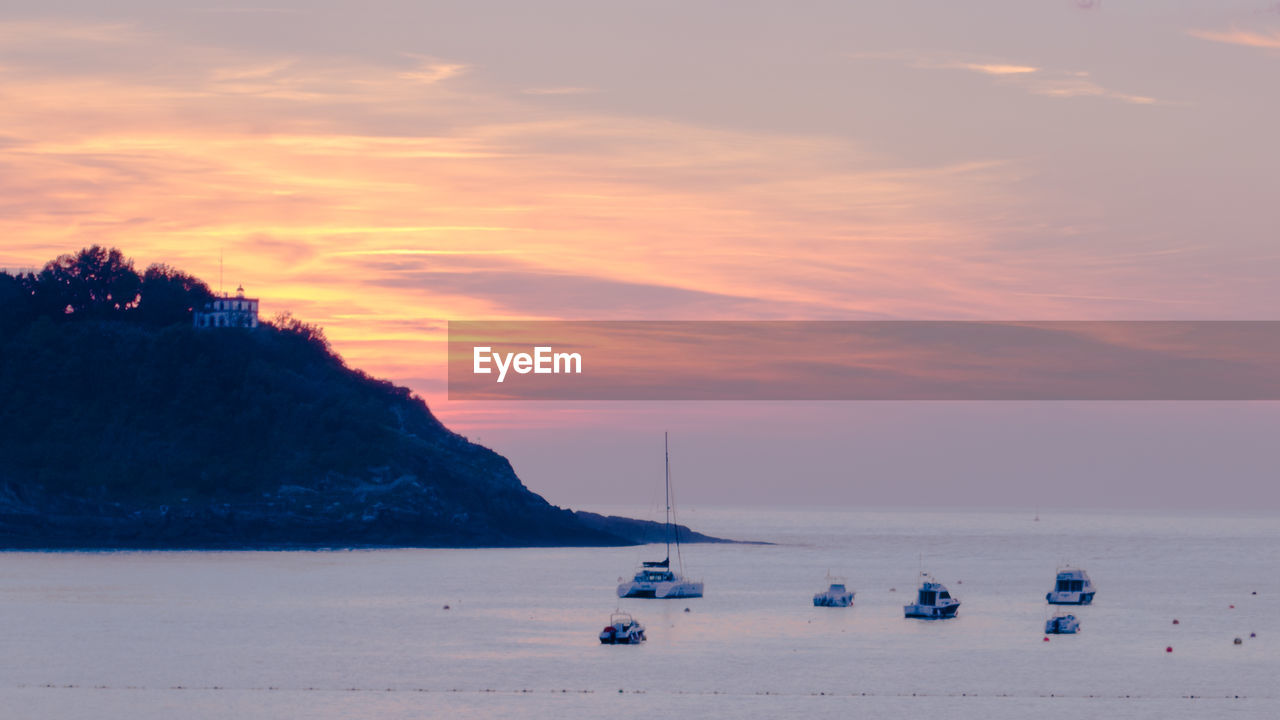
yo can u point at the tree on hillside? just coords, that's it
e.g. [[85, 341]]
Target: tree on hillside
[[310, 333], [95, 282], [16, 303], [168, 295]]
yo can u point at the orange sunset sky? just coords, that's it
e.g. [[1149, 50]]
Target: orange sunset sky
[[385, 167]]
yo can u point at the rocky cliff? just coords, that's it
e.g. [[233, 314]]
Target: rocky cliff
[[120, 428]]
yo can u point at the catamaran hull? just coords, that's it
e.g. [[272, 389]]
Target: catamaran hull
[[660, 591]]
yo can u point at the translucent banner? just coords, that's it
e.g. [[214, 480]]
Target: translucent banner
[[864, 360]]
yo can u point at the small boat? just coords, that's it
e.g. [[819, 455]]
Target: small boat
[[835, 596], [1062, 624], [622, 630], [655, 578], [933, 601], [1073, 587]]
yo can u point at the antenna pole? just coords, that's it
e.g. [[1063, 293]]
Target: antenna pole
[[219, 271]]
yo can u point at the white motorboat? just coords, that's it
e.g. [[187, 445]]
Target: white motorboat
[[1062, 624], [1072, 587], [933, 601], [622, 630], [656, 579], [836, 595]]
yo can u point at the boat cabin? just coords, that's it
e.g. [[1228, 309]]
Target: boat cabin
[[1070, 581], [931, 593], [655, 575], [1071, 587]]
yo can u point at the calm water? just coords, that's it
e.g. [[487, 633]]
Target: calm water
[[364, 635]]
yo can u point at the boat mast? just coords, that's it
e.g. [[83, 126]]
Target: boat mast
[[673, 522], [666, 459]]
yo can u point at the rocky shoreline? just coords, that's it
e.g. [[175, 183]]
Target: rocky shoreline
[[299, 518]]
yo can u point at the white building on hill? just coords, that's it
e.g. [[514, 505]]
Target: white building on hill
[[238, 311]]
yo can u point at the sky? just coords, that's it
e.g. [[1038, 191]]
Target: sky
[[383, 168]]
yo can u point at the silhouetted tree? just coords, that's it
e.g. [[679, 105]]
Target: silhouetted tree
[[312, 334], [168, 295], [95, 282], [16, 304]]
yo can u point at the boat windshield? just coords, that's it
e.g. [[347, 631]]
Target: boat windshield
[[927, 597]]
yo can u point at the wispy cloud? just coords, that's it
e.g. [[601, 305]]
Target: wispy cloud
[[1266, 40], [38, 33], [558, 91], [251, 72], [246, 11], [431, 72], [1079, 84], [1029, 78], [991, 68]]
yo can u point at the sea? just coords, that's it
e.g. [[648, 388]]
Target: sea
[[513, 633]]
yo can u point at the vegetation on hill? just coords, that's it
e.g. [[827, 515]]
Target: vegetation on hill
[[122, 425]]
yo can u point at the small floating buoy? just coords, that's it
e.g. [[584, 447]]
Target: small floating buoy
[[1046, 639], [1238, 641], [959, 582], [1175, 621], [1255, 592], [446, 607], [1253, 635], [1169, 649], [686, 609], [1233, 607], [893, 589]]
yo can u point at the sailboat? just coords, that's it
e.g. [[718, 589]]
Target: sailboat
[[656, 579]]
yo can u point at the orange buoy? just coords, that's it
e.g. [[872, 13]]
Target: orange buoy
[[1046, 639]]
